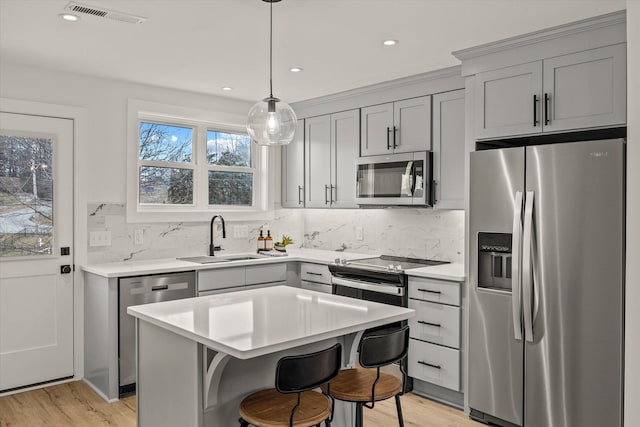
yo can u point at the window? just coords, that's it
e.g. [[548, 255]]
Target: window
[[166, 165], [168, 169], [185, 164], [230, 171]]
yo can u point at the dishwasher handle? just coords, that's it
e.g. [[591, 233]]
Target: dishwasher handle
[[148, 288]]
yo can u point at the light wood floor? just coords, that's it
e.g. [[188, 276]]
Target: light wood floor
[[75, 404]]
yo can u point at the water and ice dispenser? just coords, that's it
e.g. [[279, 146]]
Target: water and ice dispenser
[[494, 261]]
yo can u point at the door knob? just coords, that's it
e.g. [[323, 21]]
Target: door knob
[[65, 269]]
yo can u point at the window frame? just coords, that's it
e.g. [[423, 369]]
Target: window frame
[[201, 121]]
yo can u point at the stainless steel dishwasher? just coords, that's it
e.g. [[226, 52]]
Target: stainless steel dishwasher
[[144, 290]]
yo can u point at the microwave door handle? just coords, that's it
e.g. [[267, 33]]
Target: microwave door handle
[[412, 176]]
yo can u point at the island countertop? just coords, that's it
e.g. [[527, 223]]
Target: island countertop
[[252, 323]]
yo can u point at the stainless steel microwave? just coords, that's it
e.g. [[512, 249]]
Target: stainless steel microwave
[[395, 179]]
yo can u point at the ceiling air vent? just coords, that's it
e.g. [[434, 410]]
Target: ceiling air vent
[[101, 12]]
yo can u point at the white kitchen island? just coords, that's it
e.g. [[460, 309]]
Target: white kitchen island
[[197, 358]]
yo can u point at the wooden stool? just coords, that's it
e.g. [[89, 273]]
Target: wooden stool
[[365, 386], [292, 402]]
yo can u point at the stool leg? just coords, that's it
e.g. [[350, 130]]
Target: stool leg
[[243, 423], [399, 408], [358, 414]]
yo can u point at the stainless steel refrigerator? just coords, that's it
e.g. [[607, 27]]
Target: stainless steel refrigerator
[[547, 285]]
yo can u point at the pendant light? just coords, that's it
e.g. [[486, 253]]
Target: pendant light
[[271, 121]]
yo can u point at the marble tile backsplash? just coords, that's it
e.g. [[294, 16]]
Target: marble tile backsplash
[[420, 233], [409, 232]]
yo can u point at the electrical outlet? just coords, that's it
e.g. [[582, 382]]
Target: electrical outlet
[[138, 237], [359, 233], [240, 231]]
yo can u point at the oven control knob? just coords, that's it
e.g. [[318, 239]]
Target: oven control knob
[[398, 268], [390, 267], [336, 261], [344, 261]]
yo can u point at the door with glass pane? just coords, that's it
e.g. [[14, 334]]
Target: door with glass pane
[[36, 254]]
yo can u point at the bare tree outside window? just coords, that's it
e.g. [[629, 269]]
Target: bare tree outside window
[[160, 147], [230, 174], [26, 195]]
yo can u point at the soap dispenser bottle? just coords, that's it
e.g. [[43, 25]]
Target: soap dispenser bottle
[[261, 242], [268, 241]]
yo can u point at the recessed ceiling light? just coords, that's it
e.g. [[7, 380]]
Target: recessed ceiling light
[[226, 88], [69, 17], [390, 42], [295, 69]]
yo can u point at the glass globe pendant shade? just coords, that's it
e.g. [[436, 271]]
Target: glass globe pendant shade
[[271, 122]]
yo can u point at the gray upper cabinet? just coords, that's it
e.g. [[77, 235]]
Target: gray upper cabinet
[[293, 170], [332, 144], [569, 92], [396, 127], [586, 89], [317, 161], [449, 149], [507, 101]]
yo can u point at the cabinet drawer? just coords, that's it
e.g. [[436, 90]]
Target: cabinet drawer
[[434, 364], [318, 287], [266, 273], [436, 323], [315, 273], [434, 290], [220, 278]]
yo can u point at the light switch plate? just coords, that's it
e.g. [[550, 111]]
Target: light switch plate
[[359, 233], [240, 231], [100, 238]]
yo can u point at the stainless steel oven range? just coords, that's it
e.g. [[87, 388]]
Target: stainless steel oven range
[[381, 279]]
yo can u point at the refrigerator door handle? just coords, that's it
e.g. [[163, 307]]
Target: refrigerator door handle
[[527, 276], [516, 287]]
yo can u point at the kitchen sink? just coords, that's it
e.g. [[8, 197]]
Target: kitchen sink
[[216, 259]]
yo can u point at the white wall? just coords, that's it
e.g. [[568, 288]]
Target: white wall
[[632, 341]]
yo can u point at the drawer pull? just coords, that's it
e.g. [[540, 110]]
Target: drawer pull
[[429, 364], [314, 274], [430, 291], [437, 325]]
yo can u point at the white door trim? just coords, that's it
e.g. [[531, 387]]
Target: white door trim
[[79, 115]]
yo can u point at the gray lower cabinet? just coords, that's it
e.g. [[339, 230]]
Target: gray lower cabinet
[[221, 280], [315, 277], [569, 92], [435, 333], [449, 149], [293, 170], [331, 149], [396, 127]]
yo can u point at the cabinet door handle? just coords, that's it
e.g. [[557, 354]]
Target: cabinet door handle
[[535, 110], [547, 105], [431, 365], [314, 273], [422, 322], [395, 131], [299, 198], [388, 138], [326, 199], [430, 291], [331, 194]]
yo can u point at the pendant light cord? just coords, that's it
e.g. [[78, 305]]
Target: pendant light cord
[[271, 49]]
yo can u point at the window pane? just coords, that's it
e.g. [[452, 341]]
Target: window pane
[[166, 186], [165, 143], [26, 195], [230, 188], [228, 149]]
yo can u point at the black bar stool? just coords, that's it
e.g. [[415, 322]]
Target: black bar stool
[[365, 386], [292, 402]]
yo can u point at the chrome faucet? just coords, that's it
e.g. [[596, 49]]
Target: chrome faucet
[[212, 247]]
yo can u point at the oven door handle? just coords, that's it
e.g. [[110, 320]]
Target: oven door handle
[[383, 289]]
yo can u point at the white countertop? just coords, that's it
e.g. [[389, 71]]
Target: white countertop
[[168, 265], [255, 322], [453, 272]]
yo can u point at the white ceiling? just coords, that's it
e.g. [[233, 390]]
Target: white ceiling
[[202, 45]]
